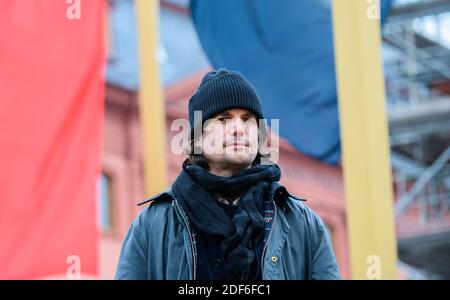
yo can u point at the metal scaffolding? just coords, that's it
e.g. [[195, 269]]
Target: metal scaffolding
[[417, 72]]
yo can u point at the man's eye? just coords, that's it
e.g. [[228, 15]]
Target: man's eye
[[221, 119]]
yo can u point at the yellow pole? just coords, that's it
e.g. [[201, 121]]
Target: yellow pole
[[364, 139], [151, 104]]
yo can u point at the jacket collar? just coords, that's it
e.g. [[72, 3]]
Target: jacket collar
[[164, 196], [279, 194]]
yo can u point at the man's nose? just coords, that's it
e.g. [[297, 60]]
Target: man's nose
[[237, 127]]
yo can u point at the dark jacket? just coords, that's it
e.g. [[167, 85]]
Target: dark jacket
[[160, 243]]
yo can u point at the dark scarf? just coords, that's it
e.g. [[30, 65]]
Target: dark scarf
[[195, 187]]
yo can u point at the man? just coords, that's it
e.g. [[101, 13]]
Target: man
[[226, 216]]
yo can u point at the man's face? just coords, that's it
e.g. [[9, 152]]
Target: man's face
[[230, 139]]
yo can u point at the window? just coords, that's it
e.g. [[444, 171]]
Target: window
[[105, 218]]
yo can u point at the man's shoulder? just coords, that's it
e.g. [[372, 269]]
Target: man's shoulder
[[163, 197], [154, 208], [302, 210]]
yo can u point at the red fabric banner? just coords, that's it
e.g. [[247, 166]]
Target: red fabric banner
[[52, 59]]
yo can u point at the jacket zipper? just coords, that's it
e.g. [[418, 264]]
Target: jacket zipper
[[191, 238], [268, 238]]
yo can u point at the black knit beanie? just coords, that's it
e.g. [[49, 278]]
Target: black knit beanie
[[222, 90]]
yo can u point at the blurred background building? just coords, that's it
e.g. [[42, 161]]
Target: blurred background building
[[417, 71], [416, 53]]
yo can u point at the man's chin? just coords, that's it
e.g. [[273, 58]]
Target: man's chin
[[239, 160]]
